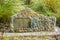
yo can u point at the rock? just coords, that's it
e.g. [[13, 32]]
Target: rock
[[28, 19]]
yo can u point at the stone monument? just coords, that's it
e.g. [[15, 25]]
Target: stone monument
[[29, 25], [29, 21]]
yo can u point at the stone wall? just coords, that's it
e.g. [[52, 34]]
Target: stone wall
[[29, 21]]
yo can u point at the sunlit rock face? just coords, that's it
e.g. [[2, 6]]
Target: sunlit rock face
[[29, 21]]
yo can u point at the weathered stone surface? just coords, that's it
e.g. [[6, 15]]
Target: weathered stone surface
[[29, 21]]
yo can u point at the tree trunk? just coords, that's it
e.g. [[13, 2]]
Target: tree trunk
[[27, 2]]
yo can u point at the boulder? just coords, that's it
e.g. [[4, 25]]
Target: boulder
[[29, 21]]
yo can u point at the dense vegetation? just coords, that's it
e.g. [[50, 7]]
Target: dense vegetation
[[46, 7], [8, 8]]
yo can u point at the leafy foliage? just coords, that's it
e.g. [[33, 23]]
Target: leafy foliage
[[9, 7], [46, 7]]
